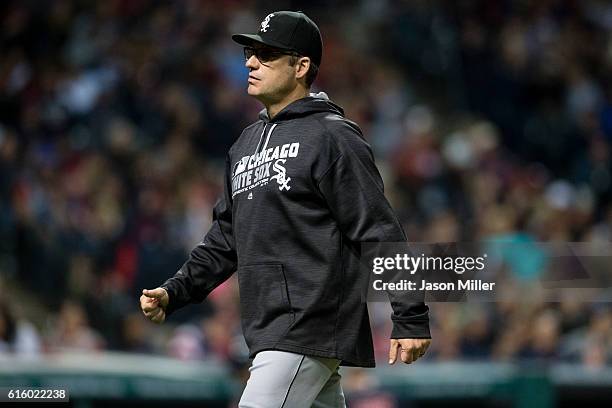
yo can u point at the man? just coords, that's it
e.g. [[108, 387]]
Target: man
[[301, 193]]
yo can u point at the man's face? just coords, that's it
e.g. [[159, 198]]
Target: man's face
[[271, 80]]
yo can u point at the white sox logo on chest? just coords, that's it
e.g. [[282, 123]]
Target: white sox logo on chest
[[280, 176], [262, 167]]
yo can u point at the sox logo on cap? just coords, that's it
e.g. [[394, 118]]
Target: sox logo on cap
[[266, 23]]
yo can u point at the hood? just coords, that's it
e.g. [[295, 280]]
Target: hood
[[314, 103]]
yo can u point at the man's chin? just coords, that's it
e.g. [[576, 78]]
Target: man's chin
[[252, 91], [257, 94]]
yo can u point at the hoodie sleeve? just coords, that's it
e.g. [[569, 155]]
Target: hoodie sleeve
[[211, 262], [353, 189]]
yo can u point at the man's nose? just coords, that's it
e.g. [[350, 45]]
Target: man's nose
[[252, 62]]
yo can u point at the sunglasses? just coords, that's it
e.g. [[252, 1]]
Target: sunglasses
[[266, 54]]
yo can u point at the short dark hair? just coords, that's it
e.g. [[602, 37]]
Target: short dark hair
[[312, 72]]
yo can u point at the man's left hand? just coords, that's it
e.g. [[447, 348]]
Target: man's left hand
[[410, 350]]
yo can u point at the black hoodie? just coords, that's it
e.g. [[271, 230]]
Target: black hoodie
[[301, 193]]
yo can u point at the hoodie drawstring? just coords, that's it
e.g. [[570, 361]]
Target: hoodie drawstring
[[268, 137], [260, 137], [265, 145]]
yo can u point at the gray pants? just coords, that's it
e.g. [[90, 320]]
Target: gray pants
[[280, 379]]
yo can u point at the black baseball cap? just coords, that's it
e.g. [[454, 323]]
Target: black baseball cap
[[287, 30]]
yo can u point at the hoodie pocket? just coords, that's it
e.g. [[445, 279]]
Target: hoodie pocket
[[264, 302]]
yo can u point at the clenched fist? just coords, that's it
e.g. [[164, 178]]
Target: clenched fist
[[410, 349], [153, 303]]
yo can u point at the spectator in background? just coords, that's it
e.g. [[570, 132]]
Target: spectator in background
[[17, 336], [135, 336], [71, 331]]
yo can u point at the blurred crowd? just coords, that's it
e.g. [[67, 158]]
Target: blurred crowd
[[488, 119]]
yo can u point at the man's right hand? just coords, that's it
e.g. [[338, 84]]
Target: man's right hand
[[153, 303]]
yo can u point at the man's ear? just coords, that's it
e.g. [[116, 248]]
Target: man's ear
[[301, 67]]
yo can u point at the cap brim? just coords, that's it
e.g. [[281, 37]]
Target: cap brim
[[250, 39]]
